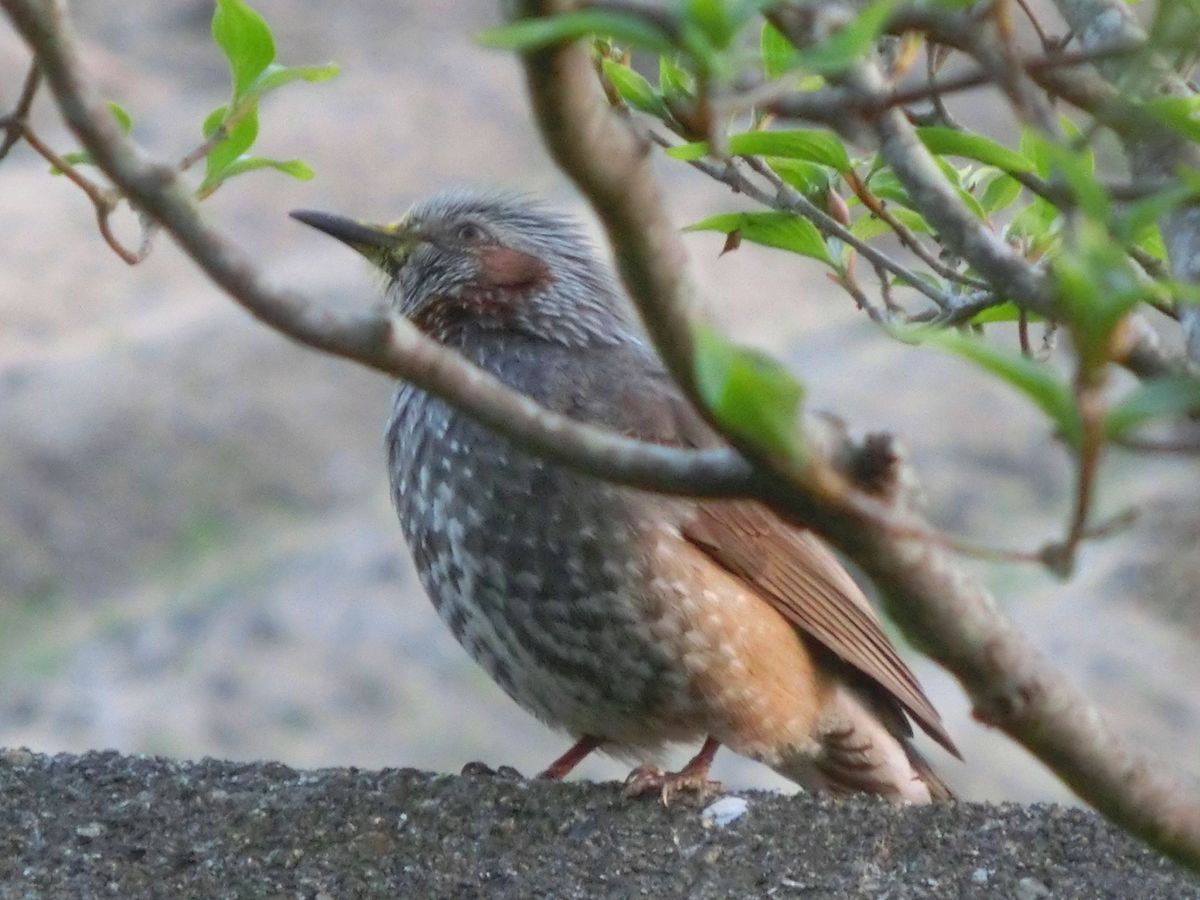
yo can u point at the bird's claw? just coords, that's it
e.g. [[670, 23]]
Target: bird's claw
[[651, 779]]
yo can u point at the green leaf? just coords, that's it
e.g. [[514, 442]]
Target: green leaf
[[884, 184], [1001, 192], [673, 80], [123, 118], [82, 157], [808, 178], [633, 88], [241, 137], [246, 39], [846, 46], [1040, 221], [1142, 216], [779, 56], [869, 227], [213, 121], [296, 168], [534, 34], [750, 394], [771, 229], [815, 146], [1076, 168], [1003, 312], [1177, 113], [1037, 381], [1154, 399], [689, 152], [973, 146], [713, 18], [718, 20], [1097, 287], [74, 158], [276, 76]]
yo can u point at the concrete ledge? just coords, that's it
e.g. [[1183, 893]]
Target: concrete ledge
[[106, 825]]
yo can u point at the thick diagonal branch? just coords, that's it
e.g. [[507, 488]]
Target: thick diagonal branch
[[941, 607]]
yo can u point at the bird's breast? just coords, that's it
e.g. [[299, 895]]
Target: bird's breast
[[540, 573]]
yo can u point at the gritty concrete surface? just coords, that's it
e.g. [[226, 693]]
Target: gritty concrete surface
[[107, 825]]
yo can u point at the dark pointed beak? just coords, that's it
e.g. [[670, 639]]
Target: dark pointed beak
[[361, 236]]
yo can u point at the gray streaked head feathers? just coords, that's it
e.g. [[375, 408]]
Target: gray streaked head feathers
[[560, 290]]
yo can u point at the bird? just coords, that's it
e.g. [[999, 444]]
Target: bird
[[632, 621]]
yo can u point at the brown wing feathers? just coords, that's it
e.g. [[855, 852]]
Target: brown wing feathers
[[802, 579]]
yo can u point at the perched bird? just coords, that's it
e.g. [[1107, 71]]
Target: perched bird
[[627, 619]]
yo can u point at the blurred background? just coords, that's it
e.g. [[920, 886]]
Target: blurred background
[[197, 550]]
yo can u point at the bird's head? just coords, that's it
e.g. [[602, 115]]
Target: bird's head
[[462, 263]]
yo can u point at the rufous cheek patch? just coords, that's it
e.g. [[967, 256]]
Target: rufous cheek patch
[[503, 267]]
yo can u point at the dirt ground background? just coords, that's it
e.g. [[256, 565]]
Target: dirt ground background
[[197, 551]]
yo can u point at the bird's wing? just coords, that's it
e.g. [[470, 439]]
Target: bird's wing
[[788, 566], [802, 579]]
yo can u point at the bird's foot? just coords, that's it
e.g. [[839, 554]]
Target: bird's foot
[[651, 779], [508, 773]]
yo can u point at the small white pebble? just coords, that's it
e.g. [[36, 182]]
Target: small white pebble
[[721, 812], [980, 876]]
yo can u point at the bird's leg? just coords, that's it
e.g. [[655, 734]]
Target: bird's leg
[[693, 777], [561, 767]]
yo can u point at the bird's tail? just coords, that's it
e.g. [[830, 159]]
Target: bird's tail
[[862, 747]]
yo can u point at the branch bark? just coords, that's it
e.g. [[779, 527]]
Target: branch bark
[[941, 607]]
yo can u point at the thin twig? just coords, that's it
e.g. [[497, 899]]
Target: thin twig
[[879, 209], [14, 123], [105, 201], [1048, 43]]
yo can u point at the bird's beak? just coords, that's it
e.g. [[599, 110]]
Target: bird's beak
[[372, 241]]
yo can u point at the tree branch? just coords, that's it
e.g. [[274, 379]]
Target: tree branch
[[373, 338], [943, 609]]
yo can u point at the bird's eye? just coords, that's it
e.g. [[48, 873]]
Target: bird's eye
[[470, 232]]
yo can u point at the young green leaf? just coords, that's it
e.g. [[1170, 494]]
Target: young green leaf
[[1178, 113], [296, 168], [124, 120], [1002, 312], [1001, 192], [1035, 380], [808, 178], [1075, 167], [718, 20], [749, 393], [241, 137], [246, 40], [868, 227], [633, 88], [534, 34], [779, 56], [1097, 287], [771, 229], [846, 46], [1154, 399], [674, 82], [820, 147], [953, 142], [276, 76]]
